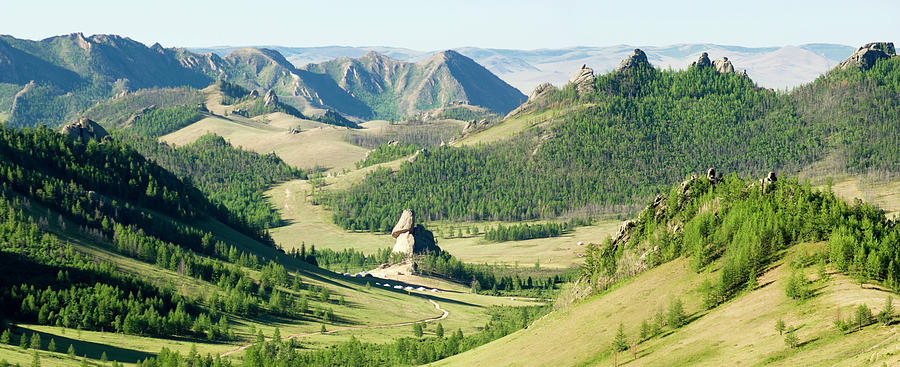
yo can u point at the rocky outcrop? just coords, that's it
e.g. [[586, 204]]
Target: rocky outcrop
[[271, 98], [538, 94], [637, 59], [254, 93], [702, 62], [768, 183], [583, 80], [412, 238], [85, 129], [866, 56], [711, 175], [475, 125], [723, 65]]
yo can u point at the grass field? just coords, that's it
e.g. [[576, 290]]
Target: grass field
[[884, 194], [739, 332]]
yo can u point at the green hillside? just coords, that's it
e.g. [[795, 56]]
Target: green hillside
[[703, 275], [640, 129]]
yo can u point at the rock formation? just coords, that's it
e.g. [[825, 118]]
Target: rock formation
[[271, 99], [638, 58], [702, 62], [711, 175], [583, 80], [539, 93], [412, 238], [85, 129], [723, 65], [768, 181], [254, 93], [866, 56]]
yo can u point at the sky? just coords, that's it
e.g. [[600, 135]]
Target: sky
[[432, 25]]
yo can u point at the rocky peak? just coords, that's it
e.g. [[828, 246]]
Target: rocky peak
[[702, 62], [866, 56], [636, 59], [84, 129], [583, 80]]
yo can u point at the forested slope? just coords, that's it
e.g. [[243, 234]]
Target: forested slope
[[640, 129]]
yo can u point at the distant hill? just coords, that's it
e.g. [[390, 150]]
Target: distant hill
[[771, 67], [393, 88]]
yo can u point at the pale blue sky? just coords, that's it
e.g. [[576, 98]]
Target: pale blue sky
[[431, 25]]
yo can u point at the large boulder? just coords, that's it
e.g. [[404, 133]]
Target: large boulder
[[583, 80], [637, 59], [723, 65], [866, 56], [84, 129], [702, 62]]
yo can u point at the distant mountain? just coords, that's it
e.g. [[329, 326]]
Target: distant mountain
[[54, 80], [771, 67], [395, 88]]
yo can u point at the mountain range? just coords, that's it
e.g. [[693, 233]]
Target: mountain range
[[55, 79], [772, 67]]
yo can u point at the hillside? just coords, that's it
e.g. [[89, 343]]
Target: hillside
[[610, 142], [737, 255], [104, 250]]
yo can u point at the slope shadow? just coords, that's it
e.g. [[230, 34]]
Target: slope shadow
[[84, 348]]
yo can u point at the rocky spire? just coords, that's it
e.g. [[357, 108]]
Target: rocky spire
[[583, 80], [702, 62], [636, 59]]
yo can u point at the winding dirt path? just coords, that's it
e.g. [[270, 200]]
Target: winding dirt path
[[444, 314]]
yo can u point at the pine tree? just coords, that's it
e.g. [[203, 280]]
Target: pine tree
[[620, 343], [103, 358], [5, 337], [52, 346], [887, 312], [790, 339], [71, 351], [35, 341], [23, 341], [36, 362], [439, 330]]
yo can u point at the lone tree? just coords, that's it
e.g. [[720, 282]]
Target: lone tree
[[620, 343], [779, 326], [790, 339], [676, 316]]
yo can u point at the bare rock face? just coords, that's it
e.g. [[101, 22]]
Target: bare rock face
[[703, 61], [723, 65], [638, 58], [866, 56], [85, 129], [271, 99], [405, 244], [583, 80], [405, 224], [254, 93]]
